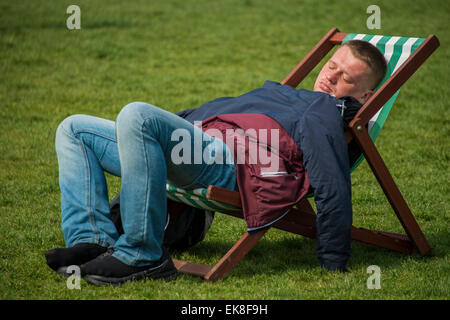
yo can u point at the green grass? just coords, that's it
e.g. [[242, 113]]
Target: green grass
[[179, 54]]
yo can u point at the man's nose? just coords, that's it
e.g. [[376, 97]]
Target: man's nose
[[332, 77]]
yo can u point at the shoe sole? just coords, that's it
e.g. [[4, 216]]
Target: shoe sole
[[153, 273]]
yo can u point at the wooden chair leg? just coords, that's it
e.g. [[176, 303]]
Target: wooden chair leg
[[226, 263], [234, 255], [391, 190]]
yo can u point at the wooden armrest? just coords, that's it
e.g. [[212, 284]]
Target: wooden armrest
[[224, 195]]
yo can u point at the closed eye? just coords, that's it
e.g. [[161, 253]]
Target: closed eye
[[348, 80]]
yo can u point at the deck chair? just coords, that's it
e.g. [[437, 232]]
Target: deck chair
[[404, 55]]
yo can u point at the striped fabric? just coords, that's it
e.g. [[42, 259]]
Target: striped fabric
[[197, 198], [395, 49]]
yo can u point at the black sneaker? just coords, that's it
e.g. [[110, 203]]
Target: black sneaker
[[108, 270], [59, 259]]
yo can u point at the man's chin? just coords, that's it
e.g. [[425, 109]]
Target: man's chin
[[322, 88], [323, 91]]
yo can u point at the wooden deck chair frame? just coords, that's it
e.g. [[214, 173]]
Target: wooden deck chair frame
[[301, 219]]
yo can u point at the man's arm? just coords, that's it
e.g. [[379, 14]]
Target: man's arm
[[185, 113], [327, 165]]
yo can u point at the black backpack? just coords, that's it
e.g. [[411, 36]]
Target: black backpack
[[185, 225]]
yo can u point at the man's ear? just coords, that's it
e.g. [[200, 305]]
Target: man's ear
[[366, 96]]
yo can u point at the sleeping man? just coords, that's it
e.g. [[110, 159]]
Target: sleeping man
[[273, 144]]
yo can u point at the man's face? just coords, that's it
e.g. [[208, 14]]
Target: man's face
[[345, 75]]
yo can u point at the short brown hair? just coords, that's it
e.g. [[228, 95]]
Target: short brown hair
[[373, 57]]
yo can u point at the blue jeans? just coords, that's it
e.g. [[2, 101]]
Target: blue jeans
[[138, 147]]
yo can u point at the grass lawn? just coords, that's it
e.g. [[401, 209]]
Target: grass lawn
[[180, 54]]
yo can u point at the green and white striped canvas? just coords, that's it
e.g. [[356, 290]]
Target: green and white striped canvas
[[396, 50], [197, 198]]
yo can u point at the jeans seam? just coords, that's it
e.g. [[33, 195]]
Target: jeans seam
[[144, 216], [77, 132], [95, 133], [98, 135], [88, 193]]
